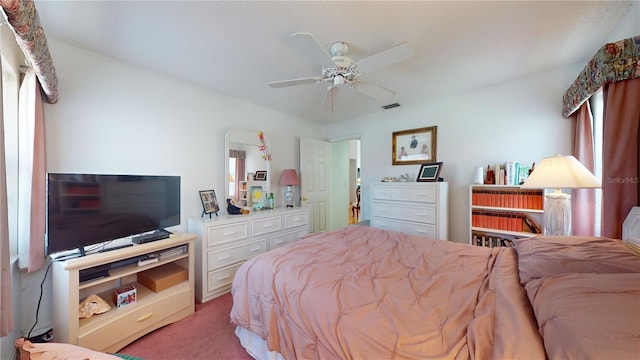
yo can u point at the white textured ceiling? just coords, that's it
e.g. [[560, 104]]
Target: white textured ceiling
[[236, 47]]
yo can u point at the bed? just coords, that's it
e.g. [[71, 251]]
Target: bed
[[367, 293]]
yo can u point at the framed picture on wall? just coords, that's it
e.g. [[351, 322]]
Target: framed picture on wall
[[415, 146], [209, 202]]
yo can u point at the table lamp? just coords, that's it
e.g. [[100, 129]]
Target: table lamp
[[559, 172], [289, 178]]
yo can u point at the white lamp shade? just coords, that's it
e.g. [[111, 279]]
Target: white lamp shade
[[561, 172]]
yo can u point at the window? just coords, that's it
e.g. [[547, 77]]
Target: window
[[11, 56]]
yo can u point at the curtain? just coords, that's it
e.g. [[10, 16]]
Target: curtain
[[239, 176], [620, 173], [31, 175], [6, 307], [25, 22], [583, 209]]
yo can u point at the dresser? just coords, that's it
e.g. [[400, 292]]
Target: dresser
[[225, 242], [419, 208]]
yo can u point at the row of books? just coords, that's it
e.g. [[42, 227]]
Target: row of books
[[502, 220], [515, 198], [510, 173], [490, 240]]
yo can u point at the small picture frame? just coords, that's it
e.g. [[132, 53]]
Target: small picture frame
[[429, 171], [209, 202], [260, 175]]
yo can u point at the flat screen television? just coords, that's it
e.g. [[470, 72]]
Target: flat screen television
[[88, 209]]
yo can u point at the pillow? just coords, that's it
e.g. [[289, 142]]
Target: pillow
[[541, 256], [588, 316]]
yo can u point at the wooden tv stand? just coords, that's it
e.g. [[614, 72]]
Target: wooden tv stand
[[113, 330]]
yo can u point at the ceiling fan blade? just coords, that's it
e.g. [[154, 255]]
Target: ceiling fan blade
[[309, 46], [373, 91], [395, 54], [329, 98], [295, 82]]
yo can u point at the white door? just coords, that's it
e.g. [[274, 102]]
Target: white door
[[314, 180]]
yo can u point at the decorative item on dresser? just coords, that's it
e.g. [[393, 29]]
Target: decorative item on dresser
[[502, 213], [289, 178], [209, 202], [430, 172], [226, 242], [413, 208]]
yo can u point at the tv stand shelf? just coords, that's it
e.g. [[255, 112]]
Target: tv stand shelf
[[111, 331]]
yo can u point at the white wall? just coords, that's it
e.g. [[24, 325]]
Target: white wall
[[115, 118], [629, 26], [518, 120]]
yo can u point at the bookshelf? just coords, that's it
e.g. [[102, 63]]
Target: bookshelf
[[501, 213], [243, 199]]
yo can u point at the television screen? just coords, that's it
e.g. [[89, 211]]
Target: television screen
[[87, 209]]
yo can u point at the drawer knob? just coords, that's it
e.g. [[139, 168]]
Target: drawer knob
[[223, 257], [224, 277], [231, 232], [145, 317], [255, 249]]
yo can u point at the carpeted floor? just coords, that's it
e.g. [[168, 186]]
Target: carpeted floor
[[206, 334]]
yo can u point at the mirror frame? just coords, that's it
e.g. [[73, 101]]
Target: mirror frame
[[246, 137]]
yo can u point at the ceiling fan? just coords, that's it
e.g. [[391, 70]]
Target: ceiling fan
[[339, 69]]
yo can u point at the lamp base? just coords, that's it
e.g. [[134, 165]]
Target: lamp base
[[288, 196], [557, 214]]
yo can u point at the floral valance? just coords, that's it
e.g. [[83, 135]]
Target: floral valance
[[23, 18], [238, 154], [613, 62]]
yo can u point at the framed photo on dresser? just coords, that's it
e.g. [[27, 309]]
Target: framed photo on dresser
[[209, 202]]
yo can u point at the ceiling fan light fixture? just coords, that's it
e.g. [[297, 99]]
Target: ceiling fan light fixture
[[339, 48], [338, 80]]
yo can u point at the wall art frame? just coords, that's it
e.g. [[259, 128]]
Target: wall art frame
[[414, 146]]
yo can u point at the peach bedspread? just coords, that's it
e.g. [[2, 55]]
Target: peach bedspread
[[366, 293]]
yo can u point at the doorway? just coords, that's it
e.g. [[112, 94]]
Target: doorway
[[354, 205]]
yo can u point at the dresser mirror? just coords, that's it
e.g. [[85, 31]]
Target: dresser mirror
[[243, 160]]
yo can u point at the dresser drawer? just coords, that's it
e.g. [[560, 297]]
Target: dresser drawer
[[222, 234], [298, 219], [266, 225], [222, 277], [284, 239], [227, 256], [424, 193], [423, 214], [129, 323], [427, 230]]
